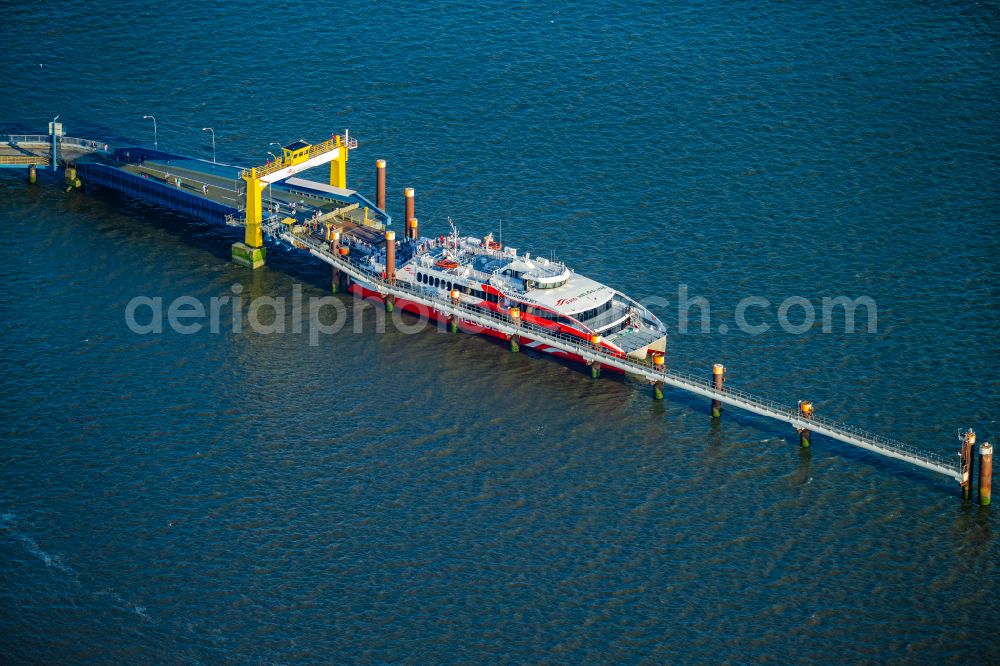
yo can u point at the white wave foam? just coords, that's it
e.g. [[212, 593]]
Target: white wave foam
[[7, 520]]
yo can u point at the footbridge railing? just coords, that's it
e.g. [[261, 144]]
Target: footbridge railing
[[83, 145]]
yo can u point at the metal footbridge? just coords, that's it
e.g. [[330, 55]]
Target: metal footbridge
[[488, 319]]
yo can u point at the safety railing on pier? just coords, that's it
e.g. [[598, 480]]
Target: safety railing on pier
[[15, 139], [489, 319], [24, 160], [86, 145]]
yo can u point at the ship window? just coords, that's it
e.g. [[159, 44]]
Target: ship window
[[550, 285]]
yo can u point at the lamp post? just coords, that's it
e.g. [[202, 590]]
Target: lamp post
[[270, 194], [274, 143], [156, 143], [54, 140], [209, 129]]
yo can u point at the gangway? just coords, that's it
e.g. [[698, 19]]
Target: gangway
[[833, 429]]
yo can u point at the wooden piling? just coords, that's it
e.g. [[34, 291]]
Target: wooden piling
[[985, 473], [515, 339], [390, 266], [380, 184], [967, 450], [334, 239], [407, 206], [452, 319], [718, 377], [805, 435], [345, 279], [32, 174], [595, 366], [659, 363]]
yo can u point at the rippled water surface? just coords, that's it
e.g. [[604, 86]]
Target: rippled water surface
[[434, 498]]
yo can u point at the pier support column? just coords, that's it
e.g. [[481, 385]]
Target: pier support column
[[985, 473], [380, 184], [390, 267], [72, 181], [411, 228], [805, 435], [249, 257], [968, 451], [334, 238], [453, 320], [345, 279], [515, 319], [595, 366], [718, 378], [407, 206], [660, 364], [32, 174]]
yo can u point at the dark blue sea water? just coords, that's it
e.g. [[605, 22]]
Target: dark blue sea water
[[425, 498]]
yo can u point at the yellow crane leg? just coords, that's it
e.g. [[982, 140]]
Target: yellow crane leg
[[250, 252], [254, 215], [338, 170]]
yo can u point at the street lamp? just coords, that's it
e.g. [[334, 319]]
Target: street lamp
[[270, 194], [156, 143], [209, 129], [54, 161]]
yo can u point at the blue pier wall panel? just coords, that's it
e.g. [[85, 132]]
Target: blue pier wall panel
[[153, 191]]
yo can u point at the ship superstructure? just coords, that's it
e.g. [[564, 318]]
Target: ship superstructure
[[490, 276]]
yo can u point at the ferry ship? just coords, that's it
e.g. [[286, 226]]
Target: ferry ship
[[486, 275]]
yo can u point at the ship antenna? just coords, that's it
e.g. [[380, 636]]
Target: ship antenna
[[501, 232]]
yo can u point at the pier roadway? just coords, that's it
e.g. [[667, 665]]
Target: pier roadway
[[220, 185]]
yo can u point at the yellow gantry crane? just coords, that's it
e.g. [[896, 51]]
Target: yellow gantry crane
[[295, 157]]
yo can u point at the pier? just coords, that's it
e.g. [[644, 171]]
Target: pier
[[269, 201]]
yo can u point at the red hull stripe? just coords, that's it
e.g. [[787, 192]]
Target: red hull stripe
[[468, 327]]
